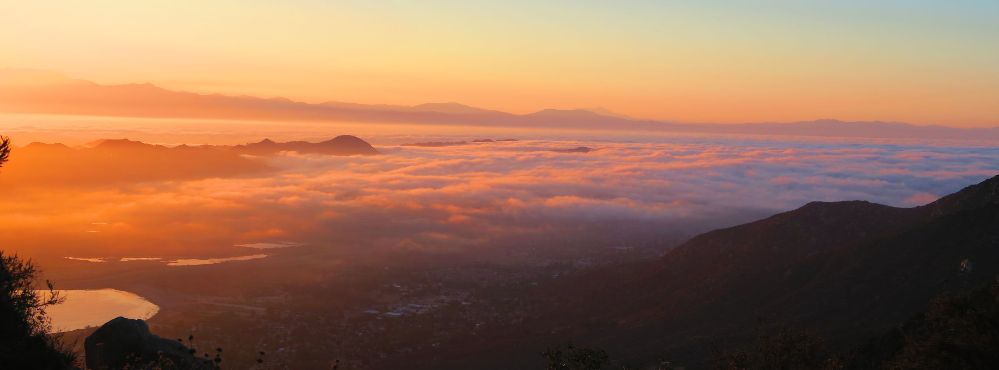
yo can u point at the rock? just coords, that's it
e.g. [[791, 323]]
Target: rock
[[122, 343]]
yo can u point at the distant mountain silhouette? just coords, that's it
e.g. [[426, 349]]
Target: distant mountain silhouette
[[118, 144], [568, 115], [849, 271], [340, 145], [40, 92], [49, 93], [454, 108], [121, 160]]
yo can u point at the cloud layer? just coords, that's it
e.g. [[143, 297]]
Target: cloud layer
[[515, 195]]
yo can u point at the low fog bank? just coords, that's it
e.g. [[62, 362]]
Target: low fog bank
[[497, 198]]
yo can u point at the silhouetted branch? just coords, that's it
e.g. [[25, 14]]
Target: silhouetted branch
[[4, 149]]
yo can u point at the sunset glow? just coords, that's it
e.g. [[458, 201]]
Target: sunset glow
[[492, 185], [708, 61]]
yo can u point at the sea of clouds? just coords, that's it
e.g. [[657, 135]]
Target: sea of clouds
[[530, 191]]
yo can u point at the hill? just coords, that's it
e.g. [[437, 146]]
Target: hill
[[340, 145], [848, 271], [118, 161]]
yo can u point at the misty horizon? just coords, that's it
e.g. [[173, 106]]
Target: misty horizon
[[591, 118]]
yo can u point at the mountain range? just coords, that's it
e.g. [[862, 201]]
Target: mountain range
[[36, 92], [118, 161]]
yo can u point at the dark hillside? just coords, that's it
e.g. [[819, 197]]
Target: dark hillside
[[848, 271]]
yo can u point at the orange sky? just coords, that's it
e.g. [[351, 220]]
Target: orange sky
[[705, 62]]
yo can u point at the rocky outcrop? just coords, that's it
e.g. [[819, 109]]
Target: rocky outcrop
[[127, 343]]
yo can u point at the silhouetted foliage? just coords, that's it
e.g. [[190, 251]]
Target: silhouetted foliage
[[4, 149], [957, 332], [575, 358], [214, 362], [25, 342], [667, 365], [779, 348]]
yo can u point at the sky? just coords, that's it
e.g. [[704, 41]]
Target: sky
[[705, 61]]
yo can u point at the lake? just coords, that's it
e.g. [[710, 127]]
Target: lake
[[86, 308]]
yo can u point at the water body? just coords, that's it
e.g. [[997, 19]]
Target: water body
[[213, 261], [130, 259], [191, 261], [198, 261], [86, 259], [270, 245], [87, 308]]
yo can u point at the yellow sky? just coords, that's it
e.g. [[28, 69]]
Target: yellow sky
[[707, 62]]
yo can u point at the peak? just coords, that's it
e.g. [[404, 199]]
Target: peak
[[117, 143], [570, 113], [986, 191], [843, 203], [350, 144], [564, 111], [279, 99], [40, 145], [447, 107], [347, 138], [607, 112], [971, 197], [449, 104], [340, 145], [145, 85], [839, 206]]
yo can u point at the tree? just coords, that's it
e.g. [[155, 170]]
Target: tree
[[780, 348], [25, 342], [959, 331], [4, 149], [575, 358]]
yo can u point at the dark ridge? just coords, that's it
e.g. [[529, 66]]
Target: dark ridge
[[121, 144], [36, 148], [971, 197], [848, 271], [341, 145]]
